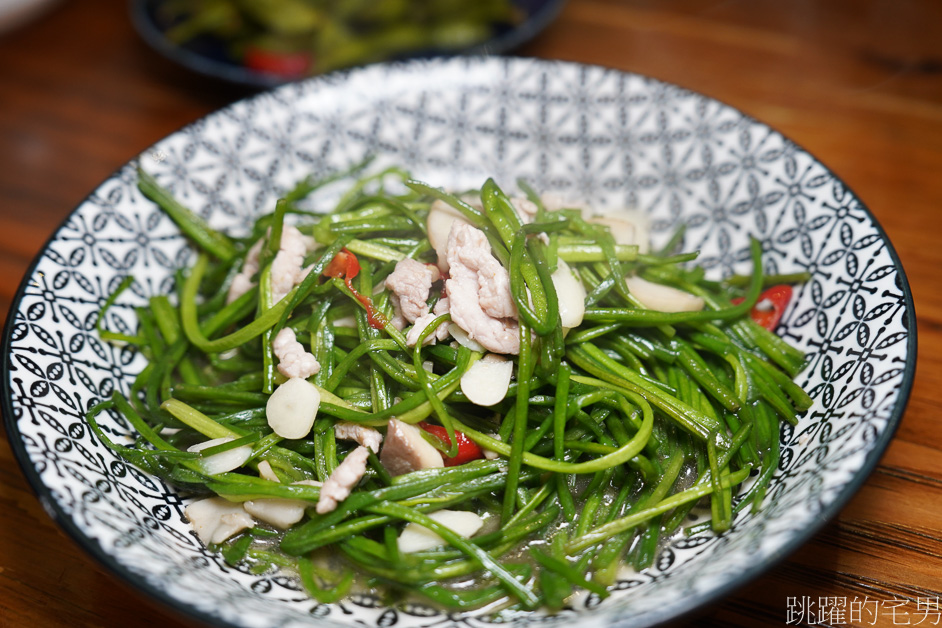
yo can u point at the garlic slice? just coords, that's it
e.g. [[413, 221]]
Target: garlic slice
[[215, 519], [462, 338], [349, 321], [662, 298], [571, 296], [224, 461], [266, 472], [486, 382], [417, 538], [627, 227], [279, 512], [292, 408], [440, 218]]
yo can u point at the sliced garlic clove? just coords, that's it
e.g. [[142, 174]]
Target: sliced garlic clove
[[347, 321], [461, 336], [363, 435], [627, 227], [417, 538], [486, 382], [525, 208], [553, 201], [266, 472], [571, 296], [222, 462], [231, 524], [206, 516], [662, 298], [441, 217], [281, 513], [291, 409]]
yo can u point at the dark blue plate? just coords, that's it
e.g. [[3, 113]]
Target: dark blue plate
[[208, 56]]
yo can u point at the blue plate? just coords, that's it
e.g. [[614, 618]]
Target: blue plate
[[209, 56]]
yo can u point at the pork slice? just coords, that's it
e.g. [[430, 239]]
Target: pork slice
[[287, 269], [293, 359], [479, 292], [361, 434], [411, 282], [342, 480], [398, 320], [242, 282], [405, 450], [412, 337], [494, 292], [526, 209]]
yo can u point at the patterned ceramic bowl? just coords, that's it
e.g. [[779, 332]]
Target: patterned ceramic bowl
[[610, 138]]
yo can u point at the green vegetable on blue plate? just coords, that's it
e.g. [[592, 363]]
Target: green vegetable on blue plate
[[294, 38]]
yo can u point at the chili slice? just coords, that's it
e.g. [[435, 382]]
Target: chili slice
[[770, 306], [345, 265], [290, 65], [468, 450]]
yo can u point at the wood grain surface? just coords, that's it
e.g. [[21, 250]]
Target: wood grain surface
[[858, 83]]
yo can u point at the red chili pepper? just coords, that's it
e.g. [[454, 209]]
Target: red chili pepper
[[468, 450], [346, 265], [290, 65], [771, 305]]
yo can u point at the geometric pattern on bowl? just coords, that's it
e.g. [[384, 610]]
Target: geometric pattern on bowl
[[587, 133]]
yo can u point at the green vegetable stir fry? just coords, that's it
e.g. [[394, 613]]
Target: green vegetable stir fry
[[294, 38], [474, 399]]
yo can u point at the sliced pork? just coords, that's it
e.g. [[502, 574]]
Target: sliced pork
[[479, 291], [287, 269], [441, 307], [361, 434], [405, 450], [293, 359], [411, 282], [243, 281], [347, 474]]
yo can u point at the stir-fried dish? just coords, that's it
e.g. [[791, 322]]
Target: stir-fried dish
[[295, 38], [474, 398]]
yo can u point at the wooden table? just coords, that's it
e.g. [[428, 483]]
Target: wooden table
[[856, 82]]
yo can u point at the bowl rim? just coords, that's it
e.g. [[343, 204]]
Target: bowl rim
[[688, 605], [148, 30]]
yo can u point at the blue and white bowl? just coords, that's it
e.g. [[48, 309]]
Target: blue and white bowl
[[590, 133]]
